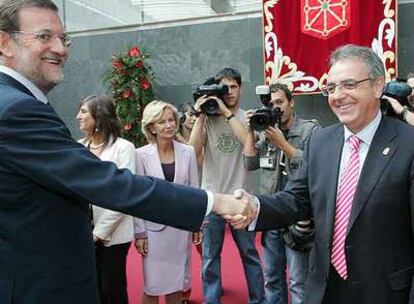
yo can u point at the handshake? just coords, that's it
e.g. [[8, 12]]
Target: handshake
[[239, 210]]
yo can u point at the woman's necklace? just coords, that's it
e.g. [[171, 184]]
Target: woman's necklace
[[92, 146]]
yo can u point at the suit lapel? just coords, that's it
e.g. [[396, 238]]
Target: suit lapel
[[381, 151], [155, 162], [179, 163], [9, 81], [334, 160]]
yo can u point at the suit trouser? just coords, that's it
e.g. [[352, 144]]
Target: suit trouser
[[211, 270], [111, 269]]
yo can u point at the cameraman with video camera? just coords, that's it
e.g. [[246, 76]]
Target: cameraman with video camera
[[218, 136], [401, 99], [277, 150]]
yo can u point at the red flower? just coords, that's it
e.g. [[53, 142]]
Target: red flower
[[127, 126], [140, 64], [117, 64], [127, 94], [145, 84], [134, 52]]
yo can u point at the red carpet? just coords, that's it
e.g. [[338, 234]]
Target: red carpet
[[234, 284]]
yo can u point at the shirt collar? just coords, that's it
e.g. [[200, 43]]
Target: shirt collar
[[26, 82], [366, 134]]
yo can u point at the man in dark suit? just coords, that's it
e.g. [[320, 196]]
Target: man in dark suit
[[357, 181], [48, 180]]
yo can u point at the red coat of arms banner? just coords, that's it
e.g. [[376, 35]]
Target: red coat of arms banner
[[299, 35]]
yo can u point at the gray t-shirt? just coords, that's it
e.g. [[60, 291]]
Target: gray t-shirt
[[223, 169]]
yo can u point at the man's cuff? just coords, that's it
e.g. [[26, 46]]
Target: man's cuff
[[252, 225], [210, 201]]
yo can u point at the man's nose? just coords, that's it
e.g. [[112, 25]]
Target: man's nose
[[59, 47], [338, 93]]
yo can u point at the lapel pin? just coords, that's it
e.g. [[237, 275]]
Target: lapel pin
[[385, 151]]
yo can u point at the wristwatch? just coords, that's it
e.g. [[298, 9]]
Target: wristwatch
[[404, 113], [228, 118]]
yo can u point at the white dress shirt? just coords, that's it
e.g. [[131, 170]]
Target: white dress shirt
[[365, 135]]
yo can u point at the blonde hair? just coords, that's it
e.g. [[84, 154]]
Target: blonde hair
[[153, 112]]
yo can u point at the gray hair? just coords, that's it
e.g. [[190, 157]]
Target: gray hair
[[9, 11], [365, 54], [153, 112]]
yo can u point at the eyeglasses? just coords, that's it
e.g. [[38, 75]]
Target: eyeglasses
[[346, 85], [46, 37]]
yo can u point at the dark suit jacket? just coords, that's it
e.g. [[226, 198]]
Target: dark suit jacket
[[47, 181], [379, 242]]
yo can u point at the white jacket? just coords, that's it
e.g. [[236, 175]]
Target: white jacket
[[111, 226]]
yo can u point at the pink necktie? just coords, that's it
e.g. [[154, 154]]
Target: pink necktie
[[347, 186]]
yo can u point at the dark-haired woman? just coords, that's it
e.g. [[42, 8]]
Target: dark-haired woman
[[187, 119], [113, 231]]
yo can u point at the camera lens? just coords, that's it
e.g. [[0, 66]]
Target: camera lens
[[260, 121], [210, 107]]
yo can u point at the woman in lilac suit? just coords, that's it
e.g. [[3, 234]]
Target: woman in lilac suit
[[166, 250]]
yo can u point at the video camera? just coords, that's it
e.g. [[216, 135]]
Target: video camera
[[210, 88], [265, 116], [398, 89]]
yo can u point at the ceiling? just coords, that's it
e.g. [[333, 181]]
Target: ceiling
[[87, 14]]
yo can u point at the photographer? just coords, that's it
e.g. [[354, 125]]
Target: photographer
[[278, 153], [405, 112], [218, 136]]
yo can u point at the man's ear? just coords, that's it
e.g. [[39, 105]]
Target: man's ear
[[292, 103], [5, 40], [379, 86]]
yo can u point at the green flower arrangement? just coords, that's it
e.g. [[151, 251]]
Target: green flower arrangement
[[130, 79]]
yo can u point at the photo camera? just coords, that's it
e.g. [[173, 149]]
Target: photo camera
[[265, 116], [210, 88], [398, 89]]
